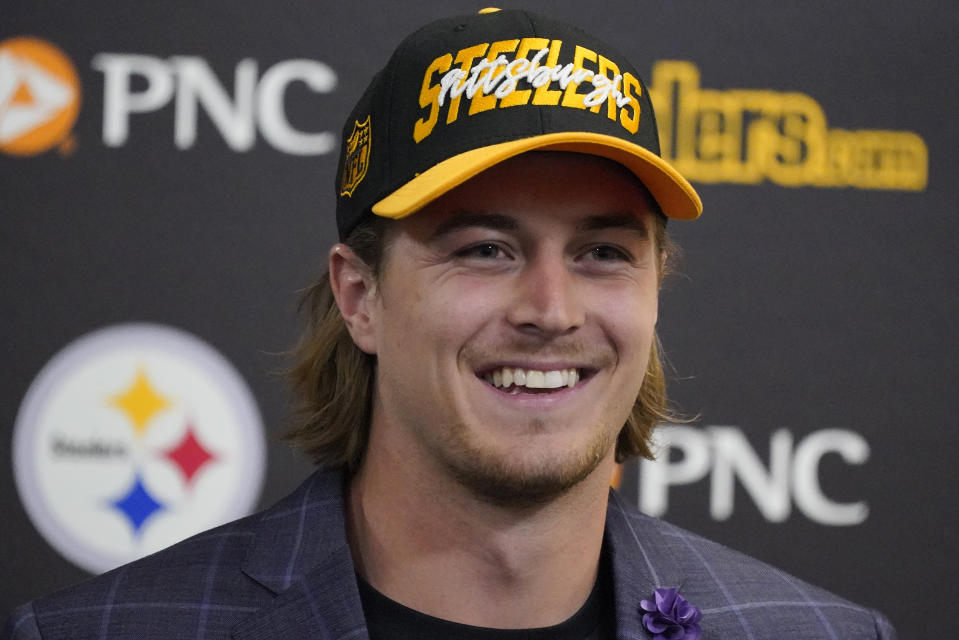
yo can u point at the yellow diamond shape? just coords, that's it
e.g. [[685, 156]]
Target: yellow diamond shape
[[140, 402]]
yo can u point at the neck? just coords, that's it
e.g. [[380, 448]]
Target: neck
[[433, 547]]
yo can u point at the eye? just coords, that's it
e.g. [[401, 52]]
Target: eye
[[482, 251], [608, 253]]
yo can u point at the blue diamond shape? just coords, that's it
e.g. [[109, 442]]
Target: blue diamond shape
[[137, 505]]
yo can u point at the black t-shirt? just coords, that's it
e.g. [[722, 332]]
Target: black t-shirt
[[389, 620]]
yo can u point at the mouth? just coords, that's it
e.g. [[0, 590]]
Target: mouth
[[516, 380]]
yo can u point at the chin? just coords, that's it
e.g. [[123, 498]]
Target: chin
[[522, 481]]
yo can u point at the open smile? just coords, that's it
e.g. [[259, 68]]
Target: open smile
[[517, 380]]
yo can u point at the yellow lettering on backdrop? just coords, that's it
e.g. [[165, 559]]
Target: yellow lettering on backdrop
[[749, 135]]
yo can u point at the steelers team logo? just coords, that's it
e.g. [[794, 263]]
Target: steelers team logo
[[132, 438], [39, 97]]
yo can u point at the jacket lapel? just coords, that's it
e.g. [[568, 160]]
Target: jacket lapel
[[641, 562], [300, 554]]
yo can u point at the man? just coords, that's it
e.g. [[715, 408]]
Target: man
[[481, 354]]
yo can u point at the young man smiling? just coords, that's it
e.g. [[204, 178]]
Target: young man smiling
[[480, 355], [543, 267]]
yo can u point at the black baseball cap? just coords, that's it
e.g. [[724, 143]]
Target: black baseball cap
[[464, 93]]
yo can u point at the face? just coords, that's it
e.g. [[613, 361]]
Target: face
[[512, 324]]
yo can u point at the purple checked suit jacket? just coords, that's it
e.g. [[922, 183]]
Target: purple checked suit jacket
[[287, 573]]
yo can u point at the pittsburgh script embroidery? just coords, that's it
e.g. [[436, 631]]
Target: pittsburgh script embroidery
[[483, 77]]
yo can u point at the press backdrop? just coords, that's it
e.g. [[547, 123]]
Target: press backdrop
[[166, 188]]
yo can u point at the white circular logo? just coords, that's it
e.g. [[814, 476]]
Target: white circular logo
[[134, 437]]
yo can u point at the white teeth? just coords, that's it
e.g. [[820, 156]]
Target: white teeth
[[553, 380], [535, 379], [507, 377]]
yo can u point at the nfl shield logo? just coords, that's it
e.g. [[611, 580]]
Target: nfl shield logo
[[357, 157]]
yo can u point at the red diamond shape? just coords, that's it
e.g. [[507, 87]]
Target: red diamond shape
[[189, 455]]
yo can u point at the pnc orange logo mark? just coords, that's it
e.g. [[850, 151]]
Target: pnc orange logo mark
[[39, 97]]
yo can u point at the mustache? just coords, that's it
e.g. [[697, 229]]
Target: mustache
[[584, 353]]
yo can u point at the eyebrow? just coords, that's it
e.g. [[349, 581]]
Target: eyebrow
[[466, 219], [625, 221]]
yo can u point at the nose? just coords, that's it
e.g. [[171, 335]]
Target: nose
[[548, 299]]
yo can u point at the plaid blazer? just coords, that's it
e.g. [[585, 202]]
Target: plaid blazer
[[287, 573]]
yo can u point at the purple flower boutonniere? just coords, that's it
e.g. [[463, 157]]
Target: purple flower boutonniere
[[670, 617]]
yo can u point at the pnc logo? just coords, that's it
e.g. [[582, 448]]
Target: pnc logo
[[722, 456], [39, 97]]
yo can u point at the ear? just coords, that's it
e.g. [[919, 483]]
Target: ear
[[355, 292]]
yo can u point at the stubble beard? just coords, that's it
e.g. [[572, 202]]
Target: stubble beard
[[512, 479]]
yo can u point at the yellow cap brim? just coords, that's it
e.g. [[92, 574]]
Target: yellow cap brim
[[675, 196]]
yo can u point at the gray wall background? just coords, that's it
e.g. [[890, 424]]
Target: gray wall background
[[800, 307]]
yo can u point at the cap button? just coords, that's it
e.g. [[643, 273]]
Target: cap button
[[488, 10]]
